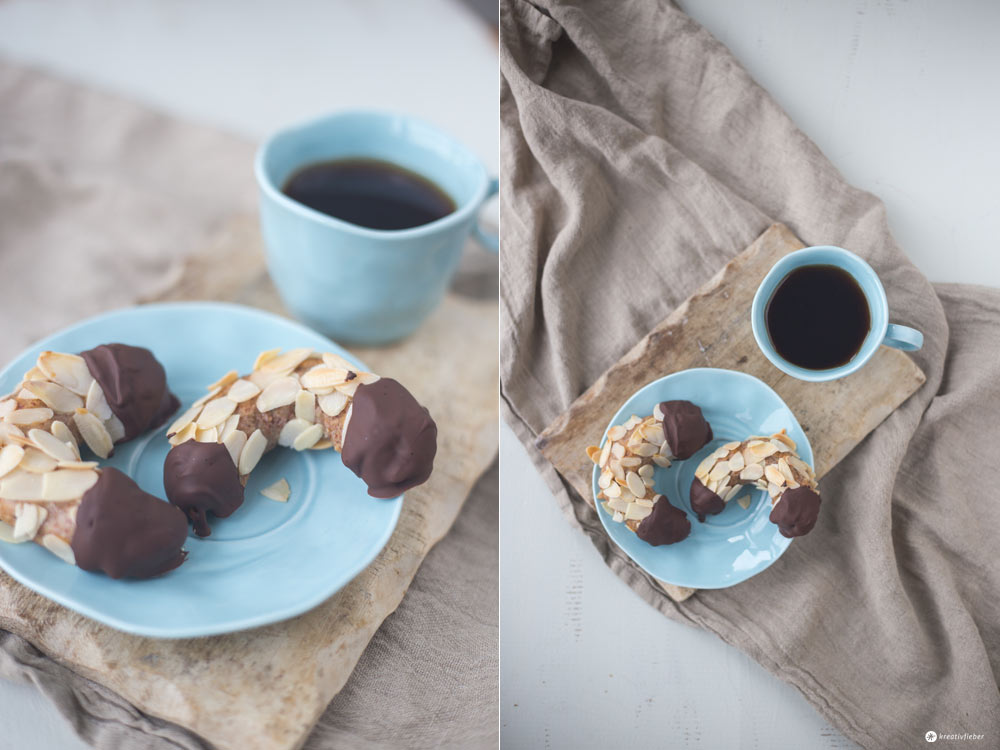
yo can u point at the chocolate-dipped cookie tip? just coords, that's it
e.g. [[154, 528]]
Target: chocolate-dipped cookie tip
[[125, 532], [704, 502], [667, 524], [391, 440], [684, 428], [134, 384], [796, 512], [201, 478]]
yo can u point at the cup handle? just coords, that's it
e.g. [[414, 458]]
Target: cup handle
[[491, 241], [903, 338]]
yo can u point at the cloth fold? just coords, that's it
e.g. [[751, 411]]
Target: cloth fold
[[638, 157]]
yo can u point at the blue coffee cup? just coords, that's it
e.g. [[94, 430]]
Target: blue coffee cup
[[355, 284], [881, 332]]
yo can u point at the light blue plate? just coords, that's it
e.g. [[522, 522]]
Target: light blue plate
[[268, 561], [735, 544]]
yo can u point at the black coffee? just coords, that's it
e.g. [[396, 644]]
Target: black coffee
[[368, 192], [818, 317]]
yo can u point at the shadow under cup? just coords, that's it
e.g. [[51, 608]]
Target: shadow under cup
[[355, 284]]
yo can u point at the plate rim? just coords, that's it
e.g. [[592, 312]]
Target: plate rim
[[595, 474], [245, 623]]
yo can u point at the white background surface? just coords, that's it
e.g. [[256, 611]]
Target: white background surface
[[901, 96], [253, 67]]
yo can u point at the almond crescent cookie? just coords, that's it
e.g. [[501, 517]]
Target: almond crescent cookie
[[95, 518], [303, 400], [767, 463], [628, 460]]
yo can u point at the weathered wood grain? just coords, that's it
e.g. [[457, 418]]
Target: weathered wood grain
[[712, 329], [264, 689]]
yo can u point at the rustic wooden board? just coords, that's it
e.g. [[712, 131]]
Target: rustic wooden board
[[712, 329], [264, 689]]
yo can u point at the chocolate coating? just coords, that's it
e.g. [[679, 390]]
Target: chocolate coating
[[134, 385], [704, 502], [667, 524], [201, 478], [796, 512], [685, 428], [125, 532], [391, 439]]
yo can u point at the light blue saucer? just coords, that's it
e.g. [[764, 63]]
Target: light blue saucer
[[735, 544], [268, 561]]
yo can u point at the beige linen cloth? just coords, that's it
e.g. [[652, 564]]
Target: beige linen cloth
[[100, 200], [637, 158]]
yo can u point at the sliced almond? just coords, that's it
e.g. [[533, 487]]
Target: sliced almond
[[55, 396], [68, 370], [332, 404], [37, 462], [636, 512], [279, 491], [744, 501], [645, 471], [59, 548], [21, 485], [736, 462], [61, 432], [367, 378], [10, 457], [10, 433], [720, 470], [7, 406], [662, 461], [26, 417], [647, 449], [347, 421], [242, 390], [281, 392], [657, 413], [265, 357], [603, 481], [29, 518], [645, 502], [308, 438], [216, 412], [211, 435], [188, 433], [782, 437], [732, 492], [617, 469], [224, 382], [336, 361], [115, 429], [262, 378], [618, 450], [616, 433], [77, 465], [613, 491], [94, 433], [305, 406], [234, 443], [7, 534], [207, 397], [635, 484], [630, 462], [618, 517], [63, 485], [349, 388], [324, 377], [252, 451], [184, 420], [286, 362], [96, 402], [52, 445], [752, 473], [762, 450], [322, 445], [774, 475], [785, 469], [605, 451], [618, 504], [593, 453], [291, 430], [774, 490]]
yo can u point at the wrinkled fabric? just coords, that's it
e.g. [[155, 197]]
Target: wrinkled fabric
[[100, 202], [637, 158]]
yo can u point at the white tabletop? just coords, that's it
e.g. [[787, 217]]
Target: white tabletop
[[901, 97], [250, 68]]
